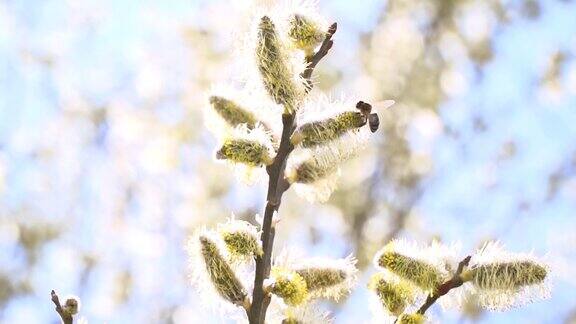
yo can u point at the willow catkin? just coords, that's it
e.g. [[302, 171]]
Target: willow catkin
[[420, 273], [289, 286], [411, 319], [252, 153], [322, 131], [221, 274], [394, 296], [232, 113], [274, 67], [508, 275], [305, 34]]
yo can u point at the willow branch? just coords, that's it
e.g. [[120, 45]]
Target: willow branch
[[66, 318], [274, 196], [277, 185], [313, 60], [455, 282]]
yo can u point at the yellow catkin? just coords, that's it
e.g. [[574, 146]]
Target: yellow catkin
[[305, 34], [241, 243], [291, 320], [289, 286], [321, 278], [221, 274], [420, 273], [393, 296], [313, 169], [323, 131], [232, 113], [508, 275], [71, 305], [244, 151], [411, 319], [274, 68]]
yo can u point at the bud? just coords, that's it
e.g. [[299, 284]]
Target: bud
[[328, 278], [245, 151], [394, 296], [240, 238], [288, 285], [274, 67], [231, 112], [305, 34], [323, 131], [220, 273], [72, 305], [410, 267], [411, 319]]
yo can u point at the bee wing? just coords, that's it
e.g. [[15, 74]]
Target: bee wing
[[383, 104]]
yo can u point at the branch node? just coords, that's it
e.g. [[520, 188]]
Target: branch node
[[444, 288]]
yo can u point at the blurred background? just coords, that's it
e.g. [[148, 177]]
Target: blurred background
[[106, 167]]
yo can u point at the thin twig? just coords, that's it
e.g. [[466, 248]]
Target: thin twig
[[313, 60], [277, 185], [66, 317], [455, 282]]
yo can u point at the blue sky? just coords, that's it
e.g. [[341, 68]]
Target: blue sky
[[470, 196]]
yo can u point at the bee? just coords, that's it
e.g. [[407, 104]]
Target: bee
[[372, 118], [365, 108], [374, 122]]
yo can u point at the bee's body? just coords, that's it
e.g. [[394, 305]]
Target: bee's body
[[372, 118]]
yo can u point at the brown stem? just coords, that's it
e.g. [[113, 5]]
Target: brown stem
[[274, 196], [455, 282], [277, 185], [66, 317], [313, 60]]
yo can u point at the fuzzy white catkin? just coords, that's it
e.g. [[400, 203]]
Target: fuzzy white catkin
[[327, 278], [247, 164], [314, 171], [305, 33], [241, 239], [416, 264], [212, 274], [274, 66], [308, 314], [71, 305], [394, 295], [501, 279]]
